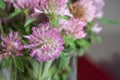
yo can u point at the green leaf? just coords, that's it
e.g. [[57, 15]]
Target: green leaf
[[107, 21], [28, 21], [6, 62], [19, 64], [15, 13], [83, 46], [67, 71], [64, 17], [1, 29], [68, 3], [57, 77], [70, 42], [90, 24], [24, 41], [35, 66], [64, 62], [2, 4], [98, 39], [27, 29], [83, 42], [54, 22], [62, 54], [82, 51], [52, 70]]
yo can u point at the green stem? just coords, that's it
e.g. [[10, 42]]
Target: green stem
[[11, 70], [15, 74], [26, 12], [31, 76], [1, 29], [46, 69], [40, 71]]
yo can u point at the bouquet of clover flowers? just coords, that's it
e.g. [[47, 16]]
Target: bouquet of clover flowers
[[38, 38]]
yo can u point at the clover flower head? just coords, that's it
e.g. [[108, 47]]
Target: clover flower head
[[53, 6], [99, 4], [25, 4], [11, 45], [45, 43], [96, 28], [73, 28]]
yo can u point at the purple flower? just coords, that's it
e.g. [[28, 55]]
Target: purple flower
[[53, 6], [25, 4], [11, 45], [73, 28], [45, 43], [96, 29], [99, 4]]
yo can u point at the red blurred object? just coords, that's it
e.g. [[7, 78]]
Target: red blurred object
[[89, 71]]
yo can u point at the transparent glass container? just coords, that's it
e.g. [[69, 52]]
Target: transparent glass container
[[73, 65]]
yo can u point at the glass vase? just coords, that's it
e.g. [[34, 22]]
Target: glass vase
[[63, 68], [73, 66]]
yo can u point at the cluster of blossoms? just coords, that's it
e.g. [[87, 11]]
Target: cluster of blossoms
[[53, 6], [46, 42], [11, 45], [25, 4], [73, 28]]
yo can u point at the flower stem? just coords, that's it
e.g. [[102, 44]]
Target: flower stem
[[11, 70], [40, 71], [1, 29], [15, 74], [46, 69], [31, 76], [26, 12]]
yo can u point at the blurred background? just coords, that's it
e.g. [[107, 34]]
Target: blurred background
[[106, 55]]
